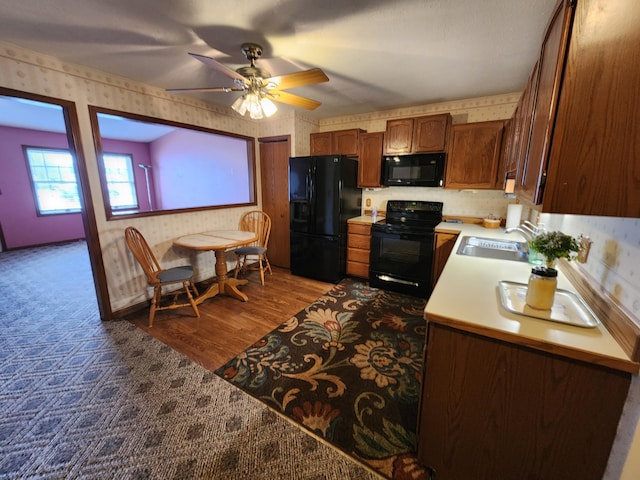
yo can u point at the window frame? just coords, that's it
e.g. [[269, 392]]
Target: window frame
[[134, 207], [34, 183], [249, 158]]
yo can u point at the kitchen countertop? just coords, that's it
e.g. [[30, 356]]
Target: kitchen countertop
[[466, 297], [364, 219]]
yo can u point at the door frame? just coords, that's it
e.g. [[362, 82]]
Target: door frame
[[262, 141], [87, 212]]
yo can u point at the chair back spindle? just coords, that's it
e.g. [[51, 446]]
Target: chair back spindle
[[143, 254], [157, 277], [258, 222]]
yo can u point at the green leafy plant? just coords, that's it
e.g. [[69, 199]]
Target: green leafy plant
[[554, 245]]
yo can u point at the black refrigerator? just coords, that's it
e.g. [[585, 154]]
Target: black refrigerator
[[323, 195]]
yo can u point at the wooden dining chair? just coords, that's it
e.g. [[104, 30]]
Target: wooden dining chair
[[158, 277], [258, 222]]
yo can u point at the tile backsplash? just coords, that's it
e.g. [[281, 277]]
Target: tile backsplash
[[466, 203], [614, 258]]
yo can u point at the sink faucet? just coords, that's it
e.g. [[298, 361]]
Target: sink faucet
[[523, 230]]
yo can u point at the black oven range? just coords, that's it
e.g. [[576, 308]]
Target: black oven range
[[401, 256]]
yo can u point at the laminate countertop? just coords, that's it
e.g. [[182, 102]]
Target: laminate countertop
[[466, 297], [364, 219]]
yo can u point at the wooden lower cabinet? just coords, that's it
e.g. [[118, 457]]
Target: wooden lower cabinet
[[443, 246], [490, 409], [358, 248]]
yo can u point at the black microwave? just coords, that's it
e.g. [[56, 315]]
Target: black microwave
[[419, 170]]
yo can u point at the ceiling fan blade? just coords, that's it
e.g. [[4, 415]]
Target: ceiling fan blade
[[298, 79], [291, 99], [205, 89], [219, 67]]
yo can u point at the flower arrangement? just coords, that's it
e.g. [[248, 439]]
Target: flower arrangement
[[554, 245]]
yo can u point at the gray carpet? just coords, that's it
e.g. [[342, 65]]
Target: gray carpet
[[87, 399]]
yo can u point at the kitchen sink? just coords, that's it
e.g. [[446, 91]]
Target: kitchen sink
[[493, 248]]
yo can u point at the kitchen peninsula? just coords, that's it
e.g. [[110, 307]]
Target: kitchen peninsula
[[510, 396]]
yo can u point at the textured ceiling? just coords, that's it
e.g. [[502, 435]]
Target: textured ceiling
[[378, 54]]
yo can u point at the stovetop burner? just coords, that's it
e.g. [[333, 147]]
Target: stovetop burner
[[411, 215]]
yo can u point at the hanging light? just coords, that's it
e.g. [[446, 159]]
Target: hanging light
[[256, 104]]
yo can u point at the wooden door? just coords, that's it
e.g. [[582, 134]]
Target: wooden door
[[274, 176]]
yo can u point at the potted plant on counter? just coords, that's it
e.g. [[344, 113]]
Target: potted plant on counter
[[543, 280], [554, 245]]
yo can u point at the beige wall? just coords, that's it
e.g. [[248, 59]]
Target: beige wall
[[21, 69]]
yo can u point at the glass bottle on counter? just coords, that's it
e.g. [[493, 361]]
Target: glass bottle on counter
[[542, 288]]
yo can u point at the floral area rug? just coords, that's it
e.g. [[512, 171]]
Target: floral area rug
[[347, 368]]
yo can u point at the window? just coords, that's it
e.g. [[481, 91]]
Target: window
[[121, 185], [54, 180], [185, 167]]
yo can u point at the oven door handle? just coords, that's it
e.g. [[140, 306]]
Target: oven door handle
[[387, 278]]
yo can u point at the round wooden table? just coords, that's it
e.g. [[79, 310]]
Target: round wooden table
[[219, 241]]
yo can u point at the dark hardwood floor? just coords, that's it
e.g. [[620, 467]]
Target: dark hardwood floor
[[228, 326]]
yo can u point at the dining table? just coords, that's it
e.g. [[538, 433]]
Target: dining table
[[219, 241]]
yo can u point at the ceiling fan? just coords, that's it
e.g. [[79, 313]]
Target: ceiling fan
[[259, 86]]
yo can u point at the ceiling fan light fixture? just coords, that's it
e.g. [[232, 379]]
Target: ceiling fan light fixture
[[257, 106], [268, 107], [240, 105], [253, 105], [257, 84]]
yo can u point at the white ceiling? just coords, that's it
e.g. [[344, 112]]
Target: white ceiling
[[378, 54]]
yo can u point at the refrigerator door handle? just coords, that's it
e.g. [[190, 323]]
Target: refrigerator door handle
[[311, 192]]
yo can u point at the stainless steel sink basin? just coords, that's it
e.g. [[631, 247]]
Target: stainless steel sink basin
[[494, 248]]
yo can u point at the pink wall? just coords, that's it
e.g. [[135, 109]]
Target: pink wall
[[194, 168], [21, 226]]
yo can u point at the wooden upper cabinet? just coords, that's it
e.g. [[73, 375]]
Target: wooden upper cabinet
[[532, 172], [370, 160], [339, 142], [594, 164], [506, 164], [430, 133], [417, 135], [321, 143], [347, 142], [581, 154], [474, 155], [398, 135], [521, 125]]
